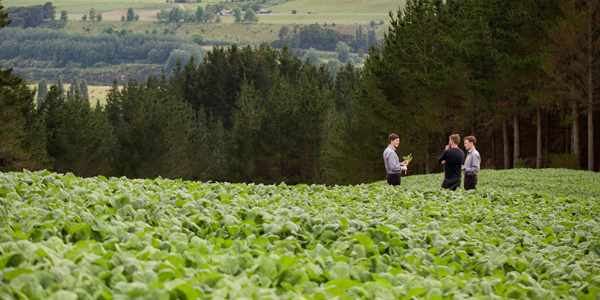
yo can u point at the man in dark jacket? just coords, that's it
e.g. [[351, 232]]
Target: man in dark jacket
[[452, 158]]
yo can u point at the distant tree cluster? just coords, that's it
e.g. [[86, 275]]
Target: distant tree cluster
[[51, 48], [206, 15], [200, 15], [313, 35], [31, 16], [322, 38]]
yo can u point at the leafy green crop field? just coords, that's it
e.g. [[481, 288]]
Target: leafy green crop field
[[526, 234]]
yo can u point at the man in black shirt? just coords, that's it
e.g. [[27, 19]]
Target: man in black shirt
[[453, 158]]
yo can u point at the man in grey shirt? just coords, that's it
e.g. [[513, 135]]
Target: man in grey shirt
[[472, 162], [392, 163]]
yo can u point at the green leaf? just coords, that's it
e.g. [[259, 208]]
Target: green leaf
[[365, 241], [344, 283], [63, 295], [267, 268], [12, 260], [414, 292], [287, 262], [229, 266], [16, 272], [233, 229], [443, 271], [260, 241]]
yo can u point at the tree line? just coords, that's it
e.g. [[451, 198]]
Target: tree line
[[324, 38], [508, 72], [207, 121], [31, 16], [207, 14], [46, 48], [520, 75]]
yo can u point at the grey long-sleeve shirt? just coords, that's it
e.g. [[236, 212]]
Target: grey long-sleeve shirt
[[472, 161], [391, 161]]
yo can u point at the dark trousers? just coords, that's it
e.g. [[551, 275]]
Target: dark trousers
[[470, 181], [451, 183], [393, 179]]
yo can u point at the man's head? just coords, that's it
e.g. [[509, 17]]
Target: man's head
[[454, 139], [394, 140], [470, 142]]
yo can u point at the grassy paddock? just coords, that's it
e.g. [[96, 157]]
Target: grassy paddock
[[84, 6], [252, 34], [96, 93]]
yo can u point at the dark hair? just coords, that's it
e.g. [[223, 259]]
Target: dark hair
[[393, 137], [455, 138], [471, 139]]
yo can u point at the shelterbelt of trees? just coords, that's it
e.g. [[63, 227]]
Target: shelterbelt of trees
[[315, 36], [54, 49], [504, 71]]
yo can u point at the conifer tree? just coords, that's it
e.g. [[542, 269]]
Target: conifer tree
[[49, 11], [237, 14], [60, 86], [80, 139], [64, 17], [74, 90], [130, 14], [41, 93], [17, 116], [199, 14], [83, 89], [574, 64], [411, 74], [92, 14]]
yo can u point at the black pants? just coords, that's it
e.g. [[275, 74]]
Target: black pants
[[393, 179], [470, 181], [451, 183]]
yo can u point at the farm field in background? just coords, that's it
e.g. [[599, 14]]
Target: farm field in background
[[252, 34], [81, 6], [243, 34], [335, 11], [525, 234], [97, 93]]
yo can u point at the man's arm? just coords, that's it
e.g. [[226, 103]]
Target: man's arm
[[442, 157], [394, 163]]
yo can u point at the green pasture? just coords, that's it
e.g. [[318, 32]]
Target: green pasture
[[81, 6], [252, 34], [321, 18], [369, 7]]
